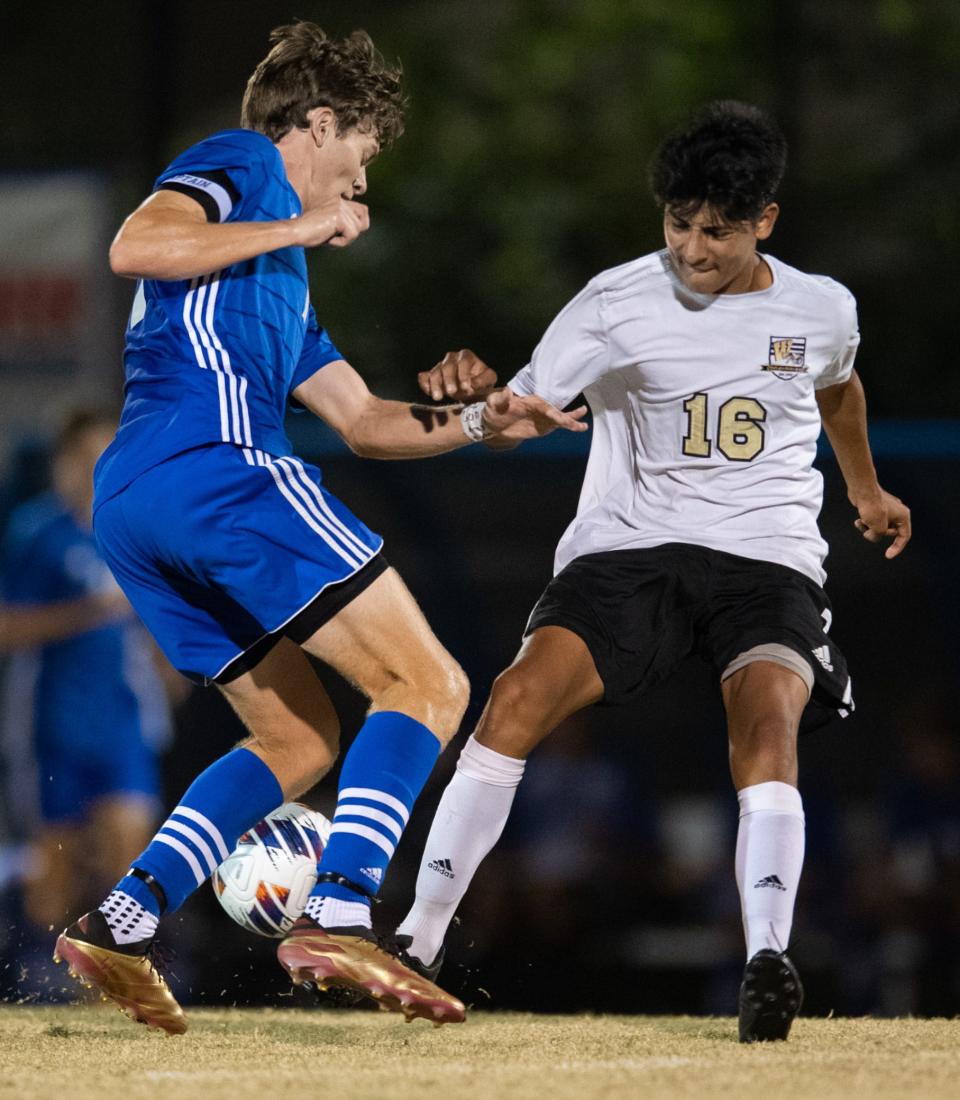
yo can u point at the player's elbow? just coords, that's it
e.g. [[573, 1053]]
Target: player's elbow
[[364, 431], [138, 251], [363, 447], [125, 257], [358, 445]]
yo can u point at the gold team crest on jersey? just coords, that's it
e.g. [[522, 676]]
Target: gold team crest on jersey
[[787, 355]]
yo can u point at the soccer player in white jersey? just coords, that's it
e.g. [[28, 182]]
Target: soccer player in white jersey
[[234, 553], [709, 367]]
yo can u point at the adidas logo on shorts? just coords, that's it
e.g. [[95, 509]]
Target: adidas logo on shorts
[[822, 654]]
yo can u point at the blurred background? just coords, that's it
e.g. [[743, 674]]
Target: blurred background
[[522, 174]]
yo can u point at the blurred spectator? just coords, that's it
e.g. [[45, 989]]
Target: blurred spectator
[[85, 710], [926, 856], [37, 624], [904, 896]]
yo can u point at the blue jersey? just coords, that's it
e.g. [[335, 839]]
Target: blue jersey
[[94, 687], [214, 359]]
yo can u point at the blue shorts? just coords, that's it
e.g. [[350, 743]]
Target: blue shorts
[[73, 778], [220, 547]]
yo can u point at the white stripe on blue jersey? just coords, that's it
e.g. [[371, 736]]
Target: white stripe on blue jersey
[[198, 315], [188, 323]]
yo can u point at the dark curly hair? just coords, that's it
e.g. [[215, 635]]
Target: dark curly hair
[[730, 155], [306, 69]]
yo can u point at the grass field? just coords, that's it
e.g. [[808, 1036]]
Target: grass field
[[75, 1053]]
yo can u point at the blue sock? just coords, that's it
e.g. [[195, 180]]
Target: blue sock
[[235, 792], [382, 775], [140, 892]]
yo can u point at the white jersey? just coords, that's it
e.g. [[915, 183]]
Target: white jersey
[[705, 420]]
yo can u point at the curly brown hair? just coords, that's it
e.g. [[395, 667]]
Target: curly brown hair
[[306, 69]]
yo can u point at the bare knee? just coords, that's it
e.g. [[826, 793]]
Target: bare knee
[[441, 693], [434, 692], [518, 714], [457, 692], [514, 693]]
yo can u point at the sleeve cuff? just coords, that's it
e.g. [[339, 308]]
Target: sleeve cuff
[[826, 379]]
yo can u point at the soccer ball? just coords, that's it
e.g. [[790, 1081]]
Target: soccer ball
[[265, 881]]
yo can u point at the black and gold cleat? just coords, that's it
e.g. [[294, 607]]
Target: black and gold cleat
[[402, 944], [356, 959], [770, 997], [123, 973]]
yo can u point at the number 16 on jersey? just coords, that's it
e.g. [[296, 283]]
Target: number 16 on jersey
[[740, 436]]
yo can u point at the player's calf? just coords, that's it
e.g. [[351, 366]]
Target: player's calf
[[301, 762], [293, 726]]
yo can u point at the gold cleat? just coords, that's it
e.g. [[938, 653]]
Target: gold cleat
[[128, 978], [354, 959]]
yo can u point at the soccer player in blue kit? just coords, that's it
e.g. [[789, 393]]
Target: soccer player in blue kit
[[84, 778], [234, 554]]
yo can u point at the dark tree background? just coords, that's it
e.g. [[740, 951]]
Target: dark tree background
[[523, 169]]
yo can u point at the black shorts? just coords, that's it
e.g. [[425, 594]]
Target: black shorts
[[641, 612]]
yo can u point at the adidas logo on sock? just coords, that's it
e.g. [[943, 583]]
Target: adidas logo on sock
[[442, 867], [375, 874], [772, 881], [822, 654]]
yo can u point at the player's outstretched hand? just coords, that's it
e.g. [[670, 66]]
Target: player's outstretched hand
[[336, 224], [513, 419], [459, 376], [884, 516]]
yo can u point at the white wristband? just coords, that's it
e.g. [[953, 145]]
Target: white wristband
[[473, 424]]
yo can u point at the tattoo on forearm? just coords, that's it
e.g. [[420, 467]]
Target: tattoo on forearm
[[432, 418]]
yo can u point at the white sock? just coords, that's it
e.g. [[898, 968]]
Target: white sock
[[337, 913], [469, 820], [769, 861], [127, 919]]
